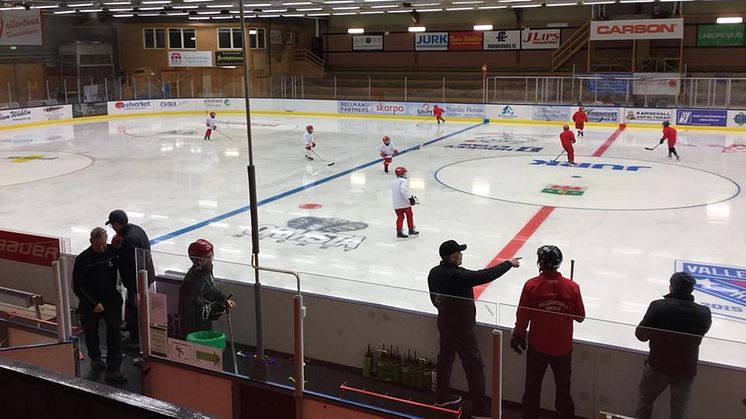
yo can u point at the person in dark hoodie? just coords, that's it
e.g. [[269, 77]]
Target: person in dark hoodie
[[451, 292], [674, 326], [200, 302]]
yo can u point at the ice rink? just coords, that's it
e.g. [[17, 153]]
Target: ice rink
[[626, 215]]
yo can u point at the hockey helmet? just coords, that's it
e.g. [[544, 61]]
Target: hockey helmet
[[309, 127], [549, 257], [666, 123], [200, 249], [565, 127], [400, 171], [212, 113], [386, 139]]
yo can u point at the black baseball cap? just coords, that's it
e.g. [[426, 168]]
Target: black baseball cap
[[118, 216], [449, 247]]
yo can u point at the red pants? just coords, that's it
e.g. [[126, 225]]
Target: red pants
[[386, 162], [579, 125], [567, 145], [400, 213], [439, 118], [208, 132]]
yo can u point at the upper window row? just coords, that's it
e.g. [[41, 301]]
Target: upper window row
[[186, 38]]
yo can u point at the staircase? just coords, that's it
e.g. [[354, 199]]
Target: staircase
[[577, 41], [311, 59]]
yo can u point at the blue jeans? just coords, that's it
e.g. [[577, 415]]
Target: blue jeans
[[652, 385]]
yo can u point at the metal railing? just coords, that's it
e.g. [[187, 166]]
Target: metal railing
[[666, 90]]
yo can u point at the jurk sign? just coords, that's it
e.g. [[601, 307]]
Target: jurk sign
[[618, 30]]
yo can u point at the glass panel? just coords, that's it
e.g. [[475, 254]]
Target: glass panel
[[237, 41], [149, 38], [190, 39], [174, 38], [160, 38], [224, 38]]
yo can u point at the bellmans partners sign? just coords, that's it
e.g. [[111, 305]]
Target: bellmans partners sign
[[431, 41], [618, 30]]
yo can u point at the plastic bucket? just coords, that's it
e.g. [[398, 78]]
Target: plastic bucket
[[208, 338]]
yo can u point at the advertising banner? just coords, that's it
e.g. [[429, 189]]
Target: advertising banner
[[431, 41], [367, 43], [731, 35], [190, 58], [551, 113], [228, 58], [130, 106], [15, 116], [21, 27], [609, 83], [604, 114], [454, 110], [52, 113], [502, 40], [619, 30], [89, 109], [666, 84], [173, 105], [702, 117], [20, 247], [737, 118], [509, 112], [465, 41], [648, 115], [540, 39]]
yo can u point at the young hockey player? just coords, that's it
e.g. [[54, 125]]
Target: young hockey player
[[387, 151], [580, 118], [568, 138], [438, 112], [669, 133], [403, 202], [308, 142], [211, 123]]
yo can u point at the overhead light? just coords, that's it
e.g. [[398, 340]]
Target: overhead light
[[310, 9], [561, 4], [590, 3], [297, 3], [723, 20], [317, 14], [346, 8], [275, 10], [512, 1], [374, 12], [48, 6], [429, 10], [491, 7], [355, 30], [116, 3], [126, 9], [456, 9], [483, 27], [344, 14], [90, 10], [399, 11], [339, 2], [64, 12], [385, 6], [219, 6], [151, 8], [208, 13], [525, 6], [636, 1], [195, 1], [80, 5], [468, 2], [222, 17], [416, 29], [269, 15], [130, 15], [192, 6], [156, 1], [199, 18]]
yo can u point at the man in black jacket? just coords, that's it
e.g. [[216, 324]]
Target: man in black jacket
[[451, 292], [674, 326], [95, 285], [129, 238]]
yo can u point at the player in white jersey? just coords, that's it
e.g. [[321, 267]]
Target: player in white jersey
[[308, 142], [403, 202], [388, 151], [211, 123]]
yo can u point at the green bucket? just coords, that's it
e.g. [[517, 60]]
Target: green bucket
[[208, 338]]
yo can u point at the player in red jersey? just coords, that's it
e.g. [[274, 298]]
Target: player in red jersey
[[669, 133], [568, 138], [580, 118], [438, 112]]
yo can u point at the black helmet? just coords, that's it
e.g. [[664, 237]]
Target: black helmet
[[549, 257], [666, 123]]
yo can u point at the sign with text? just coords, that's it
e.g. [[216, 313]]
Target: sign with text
[[702, 117], [731, 35], [20, 247], [648, 115], [502, 40], [720, 287], [21, 27], [465, 41], [431, 41], [540, 39], [190, 58], [228, 58], [367, 43], [619, 30]]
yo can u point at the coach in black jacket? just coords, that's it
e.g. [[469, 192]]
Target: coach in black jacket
[[451, 292], [674, 326], [129, 238]]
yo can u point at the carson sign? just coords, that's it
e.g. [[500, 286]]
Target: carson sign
[[618, 30]]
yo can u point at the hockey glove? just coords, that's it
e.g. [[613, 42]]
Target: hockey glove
[[518, 343], [396, 152], [413, 200], [383, 154], [313, 144], [661, 141]]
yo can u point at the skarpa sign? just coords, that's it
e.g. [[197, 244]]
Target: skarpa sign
[[618, 30]]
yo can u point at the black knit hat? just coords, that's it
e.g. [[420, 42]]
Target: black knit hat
[[682, 283]]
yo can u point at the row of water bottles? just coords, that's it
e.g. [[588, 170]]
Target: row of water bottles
[[408, 370]]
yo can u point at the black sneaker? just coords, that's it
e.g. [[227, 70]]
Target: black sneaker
[[98, 365], [448, 400], [115, 376]]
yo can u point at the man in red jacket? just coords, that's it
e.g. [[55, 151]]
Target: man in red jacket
[[438, 112], [549, 304], [568, 138], [580, 118], [669, 133]]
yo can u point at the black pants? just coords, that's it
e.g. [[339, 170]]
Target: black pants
[[536, 366], [112, 316], [133, 319], [465, 344]]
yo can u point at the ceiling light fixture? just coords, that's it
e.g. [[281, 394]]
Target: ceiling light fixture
[[310, 9], [416, 29], [726, 20], [491, 7], [458, 9], [385, 6], [346, 8], [374, 12], [561, 4], [525, 6], [80, 4], [129, 15], [483, 27], [429, 10], [297, 3], [355, 30]]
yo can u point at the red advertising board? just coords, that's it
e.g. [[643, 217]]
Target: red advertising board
[[20, 247], [464, 41]]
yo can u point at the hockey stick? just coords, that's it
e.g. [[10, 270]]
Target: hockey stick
[[653, 148], [230, 333], [558, 156], [322, 159], [572, 269], [423, 121], [224, 135]]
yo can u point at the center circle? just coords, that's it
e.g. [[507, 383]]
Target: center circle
[[596, 183]]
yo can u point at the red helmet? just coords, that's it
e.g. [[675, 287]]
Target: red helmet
[[200, 249], [386, 139], [212, 113], [309, 128], [400, 171], [565, 127]]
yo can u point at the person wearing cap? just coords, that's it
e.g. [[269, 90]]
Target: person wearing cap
[[549, 304], [674, 326], [95, 285], [129, 238], [200, 302], [451, 292]]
